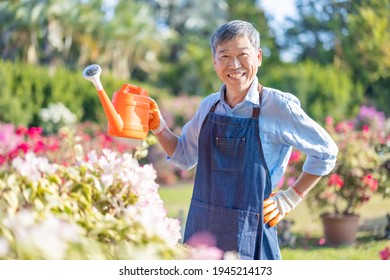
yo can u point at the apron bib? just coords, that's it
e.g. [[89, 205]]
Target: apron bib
[[231, 182]]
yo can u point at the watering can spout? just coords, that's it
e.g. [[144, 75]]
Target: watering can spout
[[92, 74]]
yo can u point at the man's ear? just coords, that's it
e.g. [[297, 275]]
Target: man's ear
[[260, 56]]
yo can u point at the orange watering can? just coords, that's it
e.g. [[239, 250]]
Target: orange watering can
[[128, 114]]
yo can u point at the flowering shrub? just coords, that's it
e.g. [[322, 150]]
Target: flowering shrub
[[360, 169], [63, 146], [103, 207], [61, 199]]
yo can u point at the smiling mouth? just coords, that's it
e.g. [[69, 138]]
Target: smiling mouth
[[236, 76]]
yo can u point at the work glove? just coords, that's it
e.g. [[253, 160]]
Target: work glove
[[279, 204], [156, 121]]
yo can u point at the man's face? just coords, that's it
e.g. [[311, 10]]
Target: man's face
[[236, 63]]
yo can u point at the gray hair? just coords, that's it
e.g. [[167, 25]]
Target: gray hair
[[232, 30]]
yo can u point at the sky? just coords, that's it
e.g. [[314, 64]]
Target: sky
[[278, 9]]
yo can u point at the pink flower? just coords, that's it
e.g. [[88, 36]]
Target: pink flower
[[39, 146], [21, 130], [23, 147], [344, 126], [335, 180], [203, 247], [295, 156], [206, 253], [202, 239], [3, 159], [291, 181], [370, 182], [385, 254], [329, 120], [281, 182], [34, 132], [55, 146]]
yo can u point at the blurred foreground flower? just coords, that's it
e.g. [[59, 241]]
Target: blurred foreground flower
[[203, 246], [104, 207], [385, 254], [80, 194]]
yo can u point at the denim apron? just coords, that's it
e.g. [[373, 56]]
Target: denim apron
[[231, 182]]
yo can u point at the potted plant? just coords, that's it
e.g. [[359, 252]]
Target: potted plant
[[360, 171]]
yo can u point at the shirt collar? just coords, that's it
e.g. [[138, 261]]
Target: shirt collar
[[252, 96]]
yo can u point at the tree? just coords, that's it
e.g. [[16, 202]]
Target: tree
[[322, 90], [351, 35], [132, 41], [368, 54], [187, 63], [249, 11]]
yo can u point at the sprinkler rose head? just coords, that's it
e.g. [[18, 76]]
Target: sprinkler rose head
[[92, 74]]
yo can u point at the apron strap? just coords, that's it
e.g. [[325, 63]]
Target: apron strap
[[256, 110], [214, 106]]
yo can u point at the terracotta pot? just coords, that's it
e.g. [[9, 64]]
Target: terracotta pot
[[340, 229]]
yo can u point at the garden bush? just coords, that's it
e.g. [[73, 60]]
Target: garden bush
[[322, 90], [60, 198], [25, 89]]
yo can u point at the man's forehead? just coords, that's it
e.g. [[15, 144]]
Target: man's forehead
[[236, 43]]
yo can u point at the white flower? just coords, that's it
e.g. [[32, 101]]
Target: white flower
[[92, 157], [107, 179], [56, 113], [33, 167], [4, 247], [47, 239]]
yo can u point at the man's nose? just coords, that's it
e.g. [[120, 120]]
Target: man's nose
[[234, 63]]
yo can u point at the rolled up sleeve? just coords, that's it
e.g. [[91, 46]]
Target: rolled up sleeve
[[306, 135]]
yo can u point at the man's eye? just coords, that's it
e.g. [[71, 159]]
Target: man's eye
[[244, 54]]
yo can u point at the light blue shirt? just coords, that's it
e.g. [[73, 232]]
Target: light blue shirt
[[283, 125]]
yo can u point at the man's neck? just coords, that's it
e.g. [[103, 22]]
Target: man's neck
[[232, 98]]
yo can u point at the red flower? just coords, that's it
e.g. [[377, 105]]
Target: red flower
[[39, 146], [21, 130], [24, 147], [370, 182], [385, 254], [3, 159], [343, 127], [335, 180], [34, 131]]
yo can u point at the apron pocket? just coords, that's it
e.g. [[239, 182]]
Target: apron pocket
[[228, 153], [234, 230]]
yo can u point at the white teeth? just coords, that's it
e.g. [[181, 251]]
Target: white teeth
[[236, 76]]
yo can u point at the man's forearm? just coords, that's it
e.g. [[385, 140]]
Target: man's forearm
[[168, 140], [306, 182]]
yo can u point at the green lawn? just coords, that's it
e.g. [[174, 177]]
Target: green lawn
[[307, 228]]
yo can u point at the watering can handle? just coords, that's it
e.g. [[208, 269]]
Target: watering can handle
[[129, 88]]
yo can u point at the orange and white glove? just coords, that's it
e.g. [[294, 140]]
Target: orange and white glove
[[156, 121], [279, 204]]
